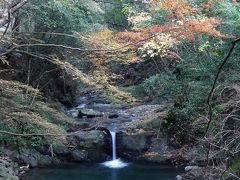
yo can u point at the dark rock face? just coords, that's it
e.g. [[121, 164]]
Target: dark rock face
[[159, 151], [143, 147], [90, 145], [8, 169], [133, 143], [89, 113], [35, 159], [79, 156], [195, 156], [194, 172]]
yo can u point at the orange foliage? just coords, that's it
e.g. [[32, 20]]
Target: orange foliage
[[179, 26], [128, 36], [187, 30], [206, 26], [176, 8]]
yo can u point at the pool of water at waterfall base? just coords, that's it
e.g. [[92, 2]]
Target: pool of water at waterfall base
[[137, 171]]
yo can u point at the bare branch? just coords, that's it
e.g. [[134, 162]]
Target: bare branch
[[215, 81], [74, 48], [50, 33], [25, 135], [12, 8]]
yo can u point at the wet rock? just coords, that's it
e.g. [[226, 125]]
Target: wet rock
[[178, 177], [73, 113], [7, 169], [140, 112], [93, 142], [194, 172], [131, 146], [195, 155], [62, 151], [189, 168], [89, 113], [133, 142], [158, 152], [88, 139], [103, 107], [79, 156], [6, 173], [112, 116], [34, 158]]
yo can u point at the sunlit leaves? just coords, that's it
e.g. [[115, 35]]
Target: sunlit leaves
[[4, 60]]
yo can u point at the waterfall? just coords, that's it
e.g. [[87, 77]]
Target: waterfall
[[115, 163], [114, 154]]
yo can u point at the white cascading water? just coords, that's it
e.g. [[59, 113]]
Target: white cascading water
[[113, 134], [115, 163]]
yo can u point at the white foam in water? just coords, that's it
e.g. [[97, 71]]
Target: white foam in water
[[115, 163], [81, 106]]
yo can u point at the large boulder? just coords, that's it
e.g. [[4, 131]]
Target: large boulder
[[89, 113], [158, 152], [6, 173], [8, 169], [194, 172], [33, 158], [88, 139], [195, 155], [92, 143], [79, 156], [131, 145]]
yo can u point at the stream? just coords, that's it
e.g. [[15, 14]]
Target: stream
[[137, 171], [115, 169]]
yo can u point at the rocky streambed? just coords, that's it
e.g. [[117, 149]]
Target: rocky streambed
[[139, 138], [139, 132]]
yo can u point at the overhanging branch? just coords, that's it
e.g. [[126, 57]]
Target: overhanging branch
[[74, 48]]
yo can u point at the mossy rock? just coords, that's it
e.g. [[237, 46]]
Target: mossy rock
[[88, 139], [92, 142], [137, 142], [7, 173]]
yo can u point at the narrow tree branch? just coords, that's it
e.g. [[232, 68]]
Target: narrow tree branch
[[18, 6], [215, 81], [11, 8], [81, 49], [25, 135], [74, 48], [8, 51], [210, 98], [50, 33], [9, 22]]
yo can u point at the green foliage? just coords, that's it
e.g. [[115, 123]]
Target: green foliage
[[176, 126], [115, 17], [159, 16], [234, 168], [18, 117], [230, 13], [60, 16], [128, 10]]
